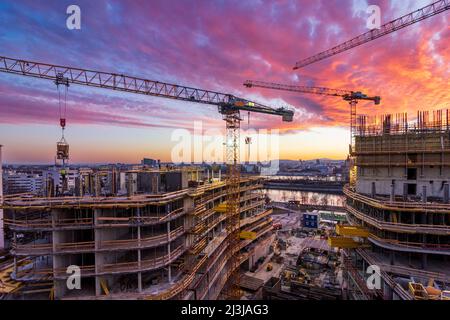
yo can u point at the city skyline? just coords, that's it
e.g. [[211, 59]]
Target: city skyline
[[194, 47]]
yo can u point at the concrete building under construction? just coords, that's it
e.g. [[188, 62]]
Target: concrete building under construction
[[156, 234], [399, 195]]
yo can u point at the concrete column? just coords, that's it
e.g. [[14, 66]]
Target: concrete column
[[60, 261], [392, 198], [220, 174], [374, 191], [423, 219], [207, 284], [14, 240], [387, 292], [392, 258], [15, 269], [138, 214], [405, 191], [424, 194], [97, 240], [424, 261], [168, 251], [446, 193], [2, 233]]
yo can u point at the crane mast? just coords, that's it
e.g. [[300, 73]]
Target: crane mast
[[385, 29], [228, 105]]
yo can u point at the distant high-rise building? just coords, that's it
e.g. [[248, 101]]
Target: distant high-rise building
[[17, 182], [149, 162]]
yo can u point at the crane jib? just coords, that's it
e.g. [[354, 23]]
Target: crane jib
[[113, 81]]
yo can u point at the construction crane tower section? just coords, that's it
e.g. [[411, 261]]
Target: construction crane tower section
[[385, 29]]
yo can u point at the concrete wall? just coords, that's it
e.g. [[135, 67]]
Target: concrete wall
[[388, 165], [383, 185], [144, 182], [173, 181], [260, 250], [433, 178]]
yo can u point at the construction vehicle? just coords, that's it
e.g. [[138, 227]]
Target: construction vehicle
[[269, 267], [418, 291], [385, 29], [229, 106], [349, 237]]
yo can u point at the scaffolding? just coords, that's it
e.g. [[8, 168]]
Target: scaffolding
[[393, 124]]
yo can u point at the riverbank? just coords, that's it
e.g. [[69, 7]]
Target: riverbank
[[321, 188]]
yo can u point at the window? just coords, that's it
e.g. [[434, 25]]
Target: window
[[412, 188], [412, 173]]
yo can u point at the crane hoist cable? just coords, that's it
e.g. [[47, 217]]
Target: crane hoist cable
[[60, 80], [62, 109]]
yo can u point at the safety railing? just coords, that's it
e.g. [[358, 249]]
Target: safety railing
[[397, 205], [104, 221], [89, 246], [435, 247], [398, 227], [26, 202], [120, 267]]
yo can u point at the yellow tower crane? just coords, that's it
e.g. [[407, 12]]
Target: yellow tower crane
[[228, 105]]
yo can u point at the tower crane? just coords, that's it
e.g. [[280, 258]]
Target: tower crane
[[229, 106], [385, 29], [351, 96]]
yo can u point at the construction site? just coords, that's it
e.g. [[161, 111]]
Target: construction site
[[148, 245], [184, 232], [398, 201]]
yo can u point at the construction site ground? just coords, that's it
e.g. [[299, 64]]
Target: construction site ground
[[291, 244]]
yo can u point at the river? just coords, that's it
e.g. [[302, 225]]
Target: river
[[305, 197], [311, 178]]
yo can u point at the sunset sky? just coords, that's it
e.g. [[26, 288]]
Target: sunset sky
[[214, 45]]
